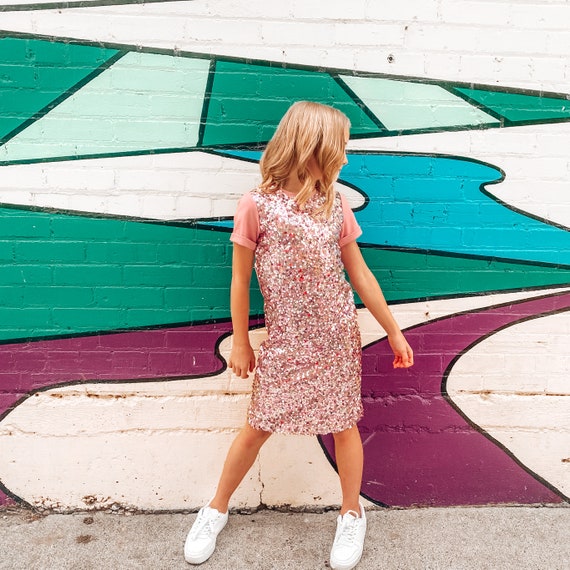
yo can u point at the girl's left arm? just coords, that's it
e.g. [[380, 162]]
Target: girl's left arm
[[368, 289]]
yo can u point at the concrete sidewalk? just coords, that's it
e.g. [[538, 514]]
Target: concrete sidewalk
[[448, 539]]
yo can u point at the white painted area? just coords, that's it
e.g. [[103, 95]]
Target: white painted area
[[171, 186], [534, 158], [481, 41], [522, 398], [161, 445]]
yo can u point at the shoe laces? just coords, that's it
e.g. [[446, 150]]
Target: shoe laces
[[203, 527], [348, 531]]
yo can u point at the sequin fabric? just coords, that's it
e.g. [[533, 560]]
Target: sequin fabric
[[307, 379]]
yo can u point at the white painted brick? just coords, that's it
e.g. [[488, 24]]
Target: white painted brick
[[334, 10], [157, 180], [373, 35], [192, 206], [475, 13], [558, 43], [256, 9], [544, 68], [149, 204], [335, 57], [220, 30], [79, 179], [292, 33], [386, 10], [404, 61], [468, 39], [549, 17]]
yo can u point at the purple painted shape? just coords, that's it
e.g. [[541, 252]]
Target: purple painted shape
[[6, 501], [157, 354], [418, 449]]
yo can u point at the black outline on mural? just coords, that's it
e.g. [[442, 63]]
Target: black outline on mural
[[332, 72], [476, 104], [206, 102], [252, 146], [360, 103], [519, 211], [482, 431], [75, 4], [205, 225], [476, 427], [259, 324]]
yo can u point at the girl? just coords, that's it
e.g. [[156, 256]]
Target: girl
[[301, 234]]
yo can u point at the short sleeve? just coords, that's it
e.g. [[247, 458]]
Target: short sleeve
[[246, 223], [350, 229]]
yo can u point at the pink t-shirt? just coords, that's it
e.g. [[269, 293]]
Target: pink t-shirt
[[246, 223]]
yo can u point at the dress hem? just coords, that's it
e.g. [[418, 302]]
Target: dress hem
[[302, 432]]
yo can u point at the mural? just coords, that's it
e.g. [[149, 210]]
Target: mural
[[121, 170]]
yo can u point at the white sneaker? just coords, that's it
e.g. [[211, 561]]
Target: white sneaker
[[349, 540], [201, 540]]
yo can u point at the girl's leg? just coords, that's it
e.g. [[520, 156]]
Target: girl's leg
[[240, 458], [350, 461]]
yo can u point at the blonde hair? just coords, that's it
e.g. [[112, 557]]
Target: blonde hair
[[306, 130]]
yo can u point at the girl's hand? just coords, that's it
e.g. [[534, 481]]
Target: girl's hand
[[403, 353], [242, 360]]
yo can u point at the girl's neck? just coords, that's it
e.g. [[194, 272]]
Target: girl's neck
[[292, 185]]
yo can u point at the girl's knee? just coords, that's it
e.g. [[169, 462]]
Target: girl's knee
[[346, 434], [253, 436]]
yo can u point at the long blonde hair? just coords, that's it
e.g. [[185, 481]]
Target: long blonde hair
[[306, 130]]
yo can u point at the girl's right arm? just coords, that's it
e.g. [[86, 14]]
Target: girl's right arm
[[242, 358]]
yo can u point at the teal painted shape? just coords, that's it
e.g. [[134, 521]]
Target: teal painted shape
[[35, 73], [435, 203], [69, 274], [248, 101], [405, 105], [518, 107], [142, 102]]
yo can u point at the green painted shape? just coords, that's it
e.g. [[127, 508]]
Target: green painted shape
[[405, 105], [142, 102], [34, 73], [516, 107], [70, 274], [247, 101], [413, 275]]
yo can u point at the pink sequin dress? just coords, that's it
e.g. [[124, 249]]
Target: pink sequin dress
[[307, 379]]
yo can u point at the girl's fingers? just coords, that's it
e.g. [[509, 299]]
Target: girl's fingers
[[404, 360]]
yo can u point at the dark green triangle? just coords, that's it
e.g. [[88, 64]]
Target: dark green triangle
[[247, 101], [520, 108], [35, 73]]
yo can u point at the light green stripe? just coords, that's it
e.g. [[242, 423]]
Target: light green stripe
[[144, 101], [404, 105]]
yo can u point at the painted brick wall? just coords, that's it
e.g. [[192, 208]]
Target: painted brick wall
[[129, 131]]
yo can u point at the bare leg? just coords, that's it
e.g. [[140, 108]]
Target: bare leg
[[350, 461], [240, 458]]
